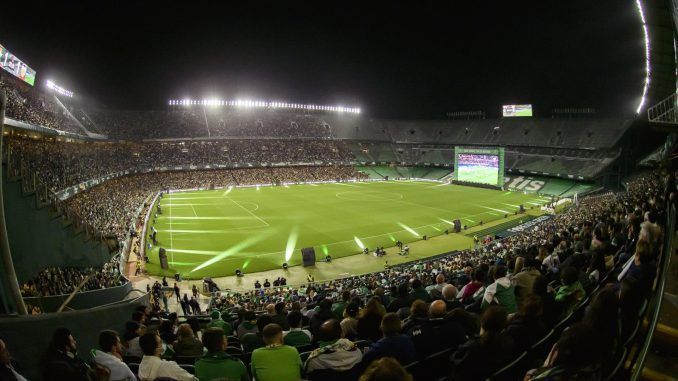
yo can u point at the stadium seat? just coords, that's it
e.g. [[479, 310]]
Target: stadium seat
[[513, 371], [617, 371], [185, 360], [187, 367], [304, 356], [333, 375]]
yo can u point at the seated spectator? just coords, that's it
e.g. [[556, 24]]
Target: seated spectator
[[468, 292], [573, 357], [252, 341], [218, 322], [369, 320], [334, 351], [323, 314], [480, 357], [436, 333], [216, 364], [8, 370], [152, 366], [280, 316], [392, 344], [641, 267], [386, 369], [133, 330], [552, 310], [418, 315], [523, 280], [435, 291], [339, 307], [187, 344], [61, 361], [449, 295], [248, 324], [403, 300], [525, 326], [349, 324], [571, 292], [166, 331], [500, 292], [296, 336], [109, 355], [418, 291], [467, 320], [602, 315], [275, 361]]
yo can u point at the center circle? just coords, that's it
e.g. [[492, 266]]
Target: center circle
[[365, 195]]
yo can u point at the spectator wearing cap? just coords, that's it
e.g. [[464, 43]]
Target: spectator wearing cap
[[218, 322], [252, 341], [109, 355], [296, 336], [187, 344], [61, 361], [152, 366], [275, 361], [392, 344], [349, 324], [216, 364], [334, 351]]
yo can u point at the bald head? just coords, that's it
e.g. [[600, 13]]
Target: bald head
[[330, 330], [449, 292], [437, 309]]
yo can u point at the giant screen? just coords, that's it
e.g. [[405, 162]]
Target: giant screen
[[10, 63], [479, 165]]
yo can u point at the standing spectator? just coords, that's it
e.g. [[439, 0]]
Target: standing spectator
[[177, 292], [393, 344], [275, 361], [152, 366], [217, 364], [61, 361], [109, 355]]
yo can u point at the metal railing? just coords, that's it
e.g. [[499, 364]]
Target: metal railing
[[664, 112]]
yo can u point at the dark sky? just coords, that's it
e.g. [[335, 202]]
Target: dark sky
[[392, 59]]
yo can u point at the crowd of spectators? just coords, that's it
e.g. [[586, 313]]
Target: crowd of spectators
[[111, 208], [60, 164], [64, 279], [27, 104]]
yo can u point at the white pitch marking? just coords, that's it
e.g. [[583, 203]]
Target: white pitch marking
[[248, 211]]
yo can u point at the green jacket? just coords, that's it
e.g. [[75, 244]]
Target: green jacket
[[220, 366], [501, 292], [338, 309], [570, 295], [219, 323]]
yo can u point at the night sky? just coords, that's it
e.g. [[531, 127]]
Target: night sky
[[392, 59]]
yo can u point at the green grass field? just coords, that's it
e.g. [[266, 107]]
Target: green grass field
[[213, 232]]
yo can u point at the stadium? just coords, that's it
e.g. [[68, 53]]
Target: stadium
[[483, 195]]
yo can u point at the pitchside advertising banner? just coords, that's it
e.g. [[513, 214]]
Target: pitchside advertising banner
[[10, 63], [479, 165], [517, 110]]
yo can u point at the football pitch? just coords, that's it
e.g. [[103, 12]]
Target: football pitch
[[211, 233], [478, 174]]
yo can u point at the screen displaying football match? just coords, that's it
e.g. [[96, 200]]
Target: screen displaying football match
[[10, 63], [516, 110], [479, 165]]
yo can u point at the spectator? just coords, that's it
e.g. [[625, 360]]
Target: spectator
[[525, 326], [386, 369], [392, 344], [571, 292], [8, 370], [61, 361], [252, 341], [524, 279], [500, 292], [418, 291], [109, 355], [479, 358], [552, 310], [338, 308], [436, 333], [218, 322], [275, 361], [152, 366], [334, 352], [602, 315], [248, 325], [449, 295], [435, 291], [468, 291], [187, 344], [324, 313], [418, 315], [280, 316], [370, 320], [349, 324], [403, 300], [296, 336], [216, 364]]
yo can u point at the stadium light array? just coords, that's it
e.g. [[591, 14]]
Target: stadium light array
[[646, 35], [59, 89], [242, 103]]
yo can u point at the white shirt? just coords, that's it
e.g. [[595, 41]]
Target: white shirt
[[152, 367], [119, 370]]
